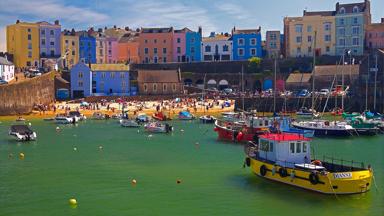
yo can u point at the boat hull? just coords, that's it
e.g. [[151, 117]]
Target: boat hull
[[247, 134], [327, 132], [328, 183]]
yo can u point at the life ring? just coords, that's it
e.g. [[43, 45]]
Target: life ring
[[248, 161], [263, 170], [314, 178], [283, 172]]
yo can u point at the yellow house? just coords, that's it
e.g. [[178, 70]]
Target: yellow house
[[70, 48], [300, 34], [23, 43]]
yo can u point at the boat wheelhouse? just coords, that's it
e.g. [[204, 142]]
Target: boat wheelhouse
[[286, 158], [22, 133]]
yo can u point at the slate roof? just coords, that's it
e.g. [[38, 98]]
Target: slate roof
[[156, 30], [319, 13], [349, 7], [247, 31], [158, 76], [216, 38], [130, 37], [331, 70]]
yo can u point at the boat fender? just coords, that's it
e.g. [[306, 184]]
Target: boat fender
[[239, 136], [293, 175], [314, 178], [263, 170], [273, 170], [248, 161], [283, 172]]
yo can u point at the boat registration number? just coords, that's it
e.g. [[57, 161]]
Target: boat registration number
[[342, 175]]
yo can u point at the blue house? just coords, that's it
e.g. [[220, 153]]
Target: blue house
[[246, 44], [193, 45], [351, 20], [101, 79], [87, 48]]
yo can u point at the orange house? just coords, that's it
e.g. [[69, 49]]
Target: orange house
[[128, 48], [155, 45]]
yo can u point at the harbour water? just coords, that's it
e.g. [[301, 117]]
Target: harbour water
[[96, 161]]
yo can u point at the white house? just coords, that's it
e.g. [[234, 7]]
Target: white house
[[216, 48], [7, 69]]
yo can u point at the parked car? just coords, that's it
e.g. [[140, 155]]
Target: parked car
[[324, 92], [3, 82], [303, 93], [228, 90]]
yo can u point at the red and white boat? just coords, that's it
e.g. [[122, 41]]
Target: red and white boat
[[244, 131]]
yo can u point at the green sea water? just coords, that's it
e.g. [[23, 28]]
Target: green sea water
[[213, 181]]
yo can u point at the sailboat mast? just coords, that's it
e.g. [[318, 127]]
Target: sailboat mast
[[313, 72], [242, 84], [375, 89], [274, 88]]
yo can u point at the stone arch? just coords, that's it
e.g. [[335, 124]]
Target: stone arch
[[200, 83], [223, 84], [211, 83]]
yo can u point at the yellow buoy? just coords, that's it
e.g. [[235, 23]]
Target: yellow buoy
[[72, 201], [21, 155], [134, 181], [178, 181], [57, 129]]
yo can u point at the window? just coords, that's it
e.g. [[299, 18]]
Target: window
[[146, 60], [164, 59], [240, 41], [342, 10], [94, 74], [29, 37], [298, 50], [178, 40], [112, 75], [355, 20], [43, 54], [164, 50], [342, 21], [253, 52], [272, 37], [66, 41], [327, 38], [298, 147], [304, 147], [154, 87], [155, 59], [192, 40], [123, 83], [52, 43], [42, 31], [102, 86], [164, 41], [341, 41], [52, 52], [122, 75], [100, 52], [155, 50], [146, 50], [341, 31], [73, 43], [327, 26], [264, 145], [356, 9], [178, 49], [292, 147], [299, 28], [164, 87], [327, 49], [80, 75], [225, 48], [178, 58], [174, 87], [309, 28], [51, 32], [103, 75], [80, 83], [192, 49], [355, 41], [240, 52], [309, 49], [29, 46], [298, 39], [309, 38], [145, 87], [29, 30], [73, 52], [208, 48], [253, 42], [29, 54], [355, 30]]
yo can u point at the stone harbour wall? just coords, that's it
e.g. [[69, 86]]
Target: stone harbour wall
[[19, 98]]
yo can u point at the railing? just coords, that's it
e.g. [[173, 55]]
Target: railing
[[342, 165]]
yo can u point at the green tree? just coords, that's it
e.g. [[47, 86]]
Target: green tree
[[254, 64]]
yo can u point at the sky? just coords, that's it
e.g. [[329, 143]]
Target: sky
[[218, 16]]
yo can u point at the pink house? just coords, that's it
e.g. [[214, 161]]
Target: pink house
[[179, 42], [111, 56], [375, 35]]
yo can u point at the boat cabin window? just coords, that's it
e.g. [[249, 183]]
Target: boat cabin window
[[266, 122], [266, 146], [260, 123], [304, 147], [292, 147], [298, 147]]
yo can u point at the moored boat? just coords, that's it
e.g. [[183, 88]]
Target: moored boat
[[128, 123], [185, 115], [157, 127], [285, 126], [286, 158], [22, 133], [100, 116], [159, 116], [326, 128], [207, 119], [63, 119], [77, 115], [142, 117], [306, 113]]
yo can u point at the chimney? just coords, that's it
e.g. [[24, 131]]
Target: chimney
[[57, 22], [212, 34], [17, 21], [200, 30], [114, 27], [337, 7], [382, 20], [304, 12], [100, 30]]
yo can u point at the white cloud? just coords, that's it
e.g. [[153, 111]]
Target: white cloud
[[234, 10]]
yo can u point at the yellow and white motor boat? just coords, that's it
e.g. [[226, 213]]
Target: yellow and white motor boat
[[286, 158]]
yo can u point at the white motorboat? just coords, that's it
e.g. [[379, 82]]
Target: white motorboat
[[207, 119], [157, 127], [128, 123], [100, 116], [22, 133], [61, 119], [77, 115]]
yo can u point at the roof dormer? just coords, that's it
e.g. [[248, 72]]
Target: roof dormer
[[342, 10], [356, 9]]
